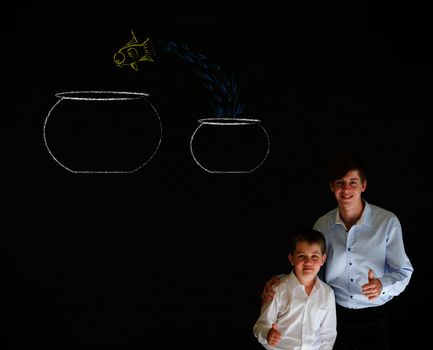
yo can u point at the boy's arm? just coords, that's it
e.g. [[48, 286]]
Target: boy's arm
[[268, 316]]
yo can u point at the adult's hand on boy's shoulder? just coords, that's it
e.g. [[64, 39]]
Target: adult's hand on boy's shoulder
[[269, 292]]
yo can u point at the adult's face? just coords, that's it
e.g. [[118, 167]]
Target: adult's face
[[348, 190]]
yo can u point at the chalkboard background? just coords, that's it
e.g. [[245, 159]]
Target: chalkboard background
[[172, 256]]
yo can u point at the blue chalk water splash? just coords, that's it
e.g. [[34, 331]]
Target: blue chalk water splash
[[224, 89]]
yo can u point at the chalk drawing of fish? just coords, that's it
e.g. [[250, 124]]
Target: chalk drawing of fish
[[134, 52]]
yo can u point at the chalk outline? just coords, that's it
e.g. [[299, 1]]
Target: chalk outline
[[229, 122], [69, 95]]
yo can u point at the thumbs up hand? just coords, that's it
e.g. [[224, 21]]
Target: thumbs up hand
[[274, 335], [373, 288]]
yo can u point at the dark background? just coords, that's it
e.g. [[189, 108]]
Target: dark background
[[172, 256]]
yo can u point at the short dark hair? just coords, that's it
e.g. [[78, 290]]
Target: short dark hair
[[308, 235], [345, 163]]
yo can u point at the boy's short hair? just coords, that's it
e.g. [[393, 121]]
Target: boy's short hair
[[310, 236], [342, 164]]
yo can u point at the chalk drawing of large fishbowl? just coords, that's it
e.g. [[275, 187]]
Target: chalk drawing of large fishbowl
[[229, 145], [102, 131]]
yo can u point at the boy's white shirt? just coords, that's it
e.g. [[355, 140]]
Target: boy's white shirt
[[305, 321]]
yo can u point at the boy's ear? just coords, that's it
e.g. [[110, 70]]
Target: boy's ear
[[291, 259], [323, 259], [364, 186]]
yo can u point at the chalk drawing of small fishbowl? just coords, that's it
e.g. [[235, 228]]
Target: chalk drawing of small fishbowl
[[229, 145], [102, 131]]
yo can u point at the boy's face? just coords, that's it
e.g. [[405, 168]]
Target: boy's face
[[348, 190], [307, 259]]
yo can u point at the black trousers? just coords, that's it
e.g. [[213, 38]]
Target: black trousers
[[362, 329]]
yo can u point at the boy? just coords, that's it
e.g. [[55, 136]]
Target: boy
[[302, 312]]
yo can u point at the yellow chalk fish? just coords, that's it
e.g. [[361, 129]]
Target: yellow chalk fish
[[133, 52]]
